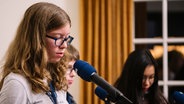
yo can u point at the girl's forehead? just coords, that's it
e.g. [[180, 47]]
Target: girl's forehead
[[149, 70]]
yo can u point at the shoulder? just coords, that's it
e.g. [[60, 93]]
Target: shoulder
[[16, 80], [15, 86], [14, 76]]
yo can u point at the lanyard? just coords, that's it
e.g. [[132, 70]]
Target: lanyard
[[52, 94]]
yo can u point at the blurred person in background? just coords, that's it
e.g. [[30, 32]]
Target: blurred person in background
[[139, 79], [71, 55]]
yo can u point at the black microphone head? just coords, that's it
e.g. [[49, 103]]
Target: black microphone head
[[101, 93], [84, 70], [178, 97]]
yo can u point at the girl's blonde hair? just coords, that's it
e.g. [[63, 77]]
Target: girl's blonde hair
[[27, 54]]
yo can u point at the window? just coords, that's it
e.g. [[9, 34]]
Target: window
[[159, 26]]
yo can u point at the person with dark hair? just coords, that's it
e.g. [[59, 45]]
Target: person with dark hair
[[176, 69], [32, 71], [71, 55], [139, 79], [175, 64]]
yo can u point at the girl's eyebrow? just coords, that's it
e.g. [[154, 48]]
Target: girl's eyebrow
[[148, 75], [58, 33]]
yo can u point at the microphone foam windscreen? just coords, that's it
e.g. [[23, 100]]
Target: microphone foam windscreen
[[178, 97], [84, 70], [101, 93]]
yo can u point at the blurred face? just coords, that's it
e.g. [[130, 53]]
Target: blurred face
[[55, 53], [148, 77], [70, 74]]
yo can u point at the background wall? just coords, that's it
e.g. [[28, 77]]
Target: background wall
[[11, 14]]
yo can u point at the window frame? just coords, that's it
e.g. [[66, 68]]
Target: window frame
[[164, 40]]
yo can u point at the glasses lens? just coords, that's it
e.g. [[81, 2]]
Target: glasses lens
[[69, 70], [68, 40], [59, 42]]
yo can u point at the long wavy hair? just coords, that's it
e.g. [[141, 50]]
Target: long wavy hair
[[27, 54], [130, 80]]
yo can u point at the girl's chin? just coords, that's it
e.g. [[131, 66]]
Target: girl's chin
[[69, 84], [55, 60], [145, 90]]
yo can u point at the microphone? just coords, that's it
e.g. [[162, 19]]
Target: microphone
[[178, 97], [88, 73], [102, 94]]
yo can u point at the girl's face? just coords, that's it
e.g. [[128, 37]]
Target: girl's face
[[70, 74], [55, 53], [148, 78]]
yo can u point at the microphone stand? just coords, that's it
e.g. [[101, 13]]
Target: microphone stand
[[123, 100], [107, 102]]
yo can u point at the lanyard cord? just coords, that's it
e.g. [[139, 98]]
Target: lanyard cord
[[52, 94]]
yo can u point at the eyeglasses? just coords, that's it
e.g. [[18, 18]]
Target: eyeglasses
[[69, 70], [149, 78], [60, 41]]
